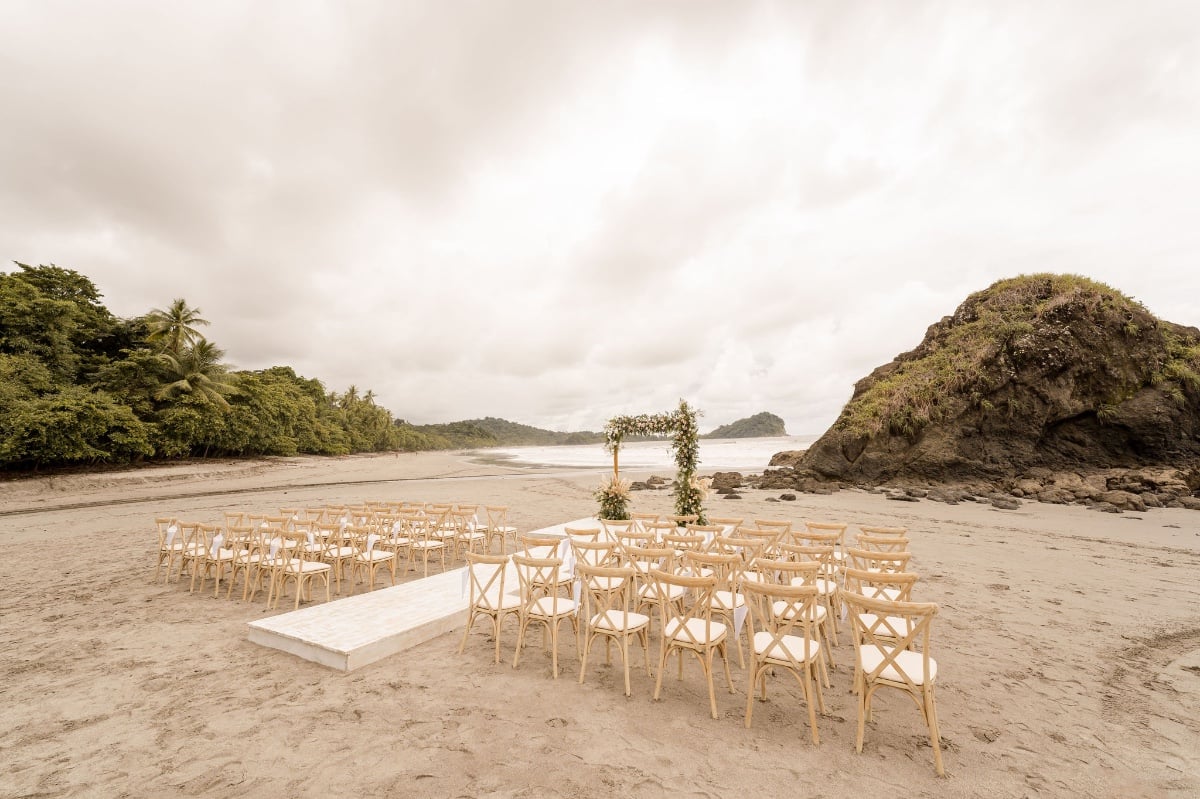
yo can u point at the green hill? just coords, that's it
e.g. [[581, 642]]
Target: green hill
[[760, 425], [493, 432]]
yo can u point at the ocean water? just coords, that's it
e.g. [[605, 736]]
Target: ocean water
[[727, 454]]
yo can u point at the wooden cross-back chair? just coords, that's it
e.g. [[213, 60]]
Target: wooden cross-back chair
[[498, 528], [726, 597], [490, 596], [647, 592], [827, 580], [606, 593], [170, 544], [368, 556], [293, 567], [690, 628], [425, 539], [805, 574], [784, 641], [892, 645], [543, 605]]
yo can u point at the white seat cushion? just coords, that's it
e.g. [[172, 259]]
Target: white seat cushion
[[553, 606], [618, 621], [727, 600], [788, 645], [650, 592], [494, 600], [787, 610], [908, 661], [695, 630]]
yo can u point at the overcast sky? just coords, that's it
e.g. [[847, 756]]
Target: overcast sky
[[555, 212]]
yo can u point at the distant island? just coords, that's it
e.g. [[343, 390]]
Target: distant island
[[760, 425]]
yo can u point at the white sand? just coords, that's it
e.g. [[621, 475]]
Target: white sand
[[1068, 643]]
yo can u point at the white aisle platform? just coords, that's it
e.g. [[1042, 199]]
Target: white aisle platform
[[350, 633]]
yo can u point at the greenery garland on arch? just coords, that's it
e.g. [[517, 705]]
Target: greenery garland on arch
[[682, 426]]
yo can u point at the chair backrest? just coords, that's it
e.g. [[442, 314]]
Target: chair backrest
[[709, 531], [486, 576], [876, 530], [784, 572], [894, 586], [883, 543], [789, 620], [639, 520], [645, 559], [888, 629], [683, 542], [605, 591], [497, 516], [614, 527], [660, 528], [537, 576], [770, 539], [829, 538], [582, 533], [682, 520], [697, 603], [540, 546], [822, 555], [728, 522], [727, 568], [871, 560], [594, 553], [636, 538], [780, 526], [749, 548]]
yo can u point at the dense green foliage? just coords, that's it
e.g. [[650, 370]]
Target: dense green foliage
[[760, 425]]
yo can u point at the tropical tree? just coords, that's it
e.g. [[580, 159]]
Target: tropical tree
[[197, 370], [174, 329]]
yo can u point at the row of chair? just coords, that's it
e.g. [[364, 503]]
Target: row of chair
[[317, 545]]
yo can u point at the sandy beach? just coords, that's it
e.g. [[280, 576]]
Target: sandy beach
[[1068, 646]]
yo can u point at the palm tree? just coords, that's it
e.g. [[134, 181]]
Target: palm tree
[[174, 329], [197, 370]]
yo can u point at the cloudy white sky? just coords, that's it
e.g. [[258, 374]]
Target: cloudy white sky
[[560, 211]]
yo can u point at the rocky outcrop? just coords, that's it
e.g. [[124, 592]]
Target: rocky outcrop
[[1054, 373]]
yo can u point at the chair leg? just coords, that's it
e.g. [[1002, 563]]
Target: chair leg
[[807, 686], [753, 674], [935, 738], [706, 664]]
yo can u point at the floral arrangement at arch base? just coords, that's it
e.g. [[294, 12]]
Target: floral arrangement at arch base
[[682, 425], [613, 496]]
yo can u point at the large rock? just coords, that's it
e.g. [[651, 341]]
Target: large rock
[[1046, 372]]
